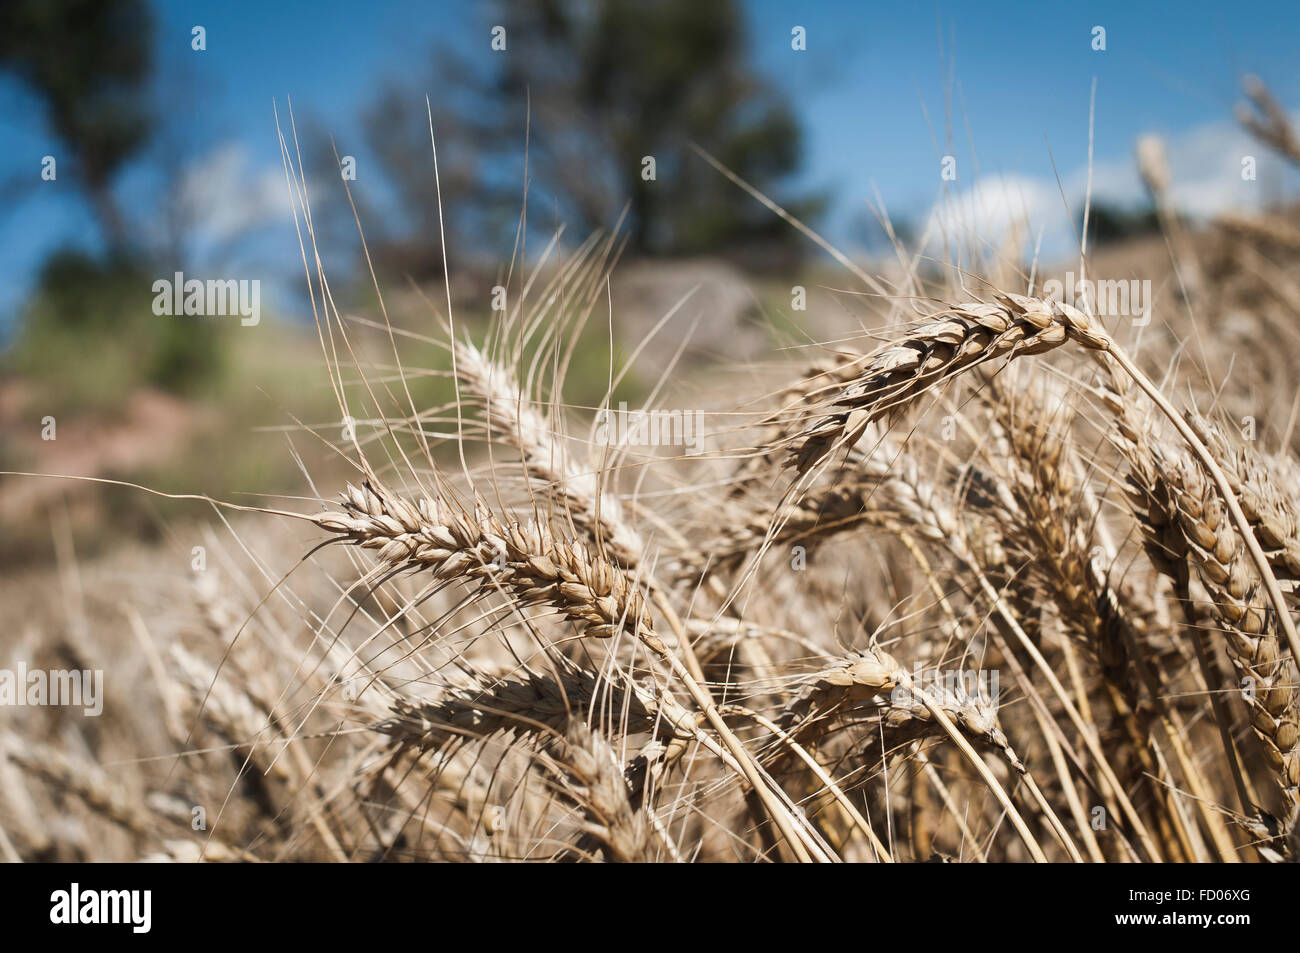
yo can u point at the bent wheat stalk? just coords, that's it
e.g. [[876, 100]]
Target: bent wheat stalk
[[513, 417], [525, 559], [872, 678], [535, 568], [964, 336]]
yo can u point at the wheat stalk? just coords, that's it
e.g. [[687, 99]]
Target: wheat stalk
[[1268, 122], [535, 569], [874, 681], [545, 458], [965, 336], [952, 340], [529, 702], [525, 559], [1182, 519]]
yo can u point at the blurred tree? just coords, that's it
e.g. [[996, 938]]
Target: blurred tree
[[88, 337], [1114, 223], [598, 87], [612, 83], [870, 232], [88, 63]]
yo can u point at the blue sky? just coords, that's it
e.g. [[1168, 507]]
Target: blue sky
[[869, 91]]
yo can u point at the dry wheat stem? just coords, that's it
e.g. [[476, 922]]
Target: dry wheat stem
[[535, 569], [964, 336], [545, 458], [941, 716], [525, 559], [873, 678], [530, 701], [841, 799]]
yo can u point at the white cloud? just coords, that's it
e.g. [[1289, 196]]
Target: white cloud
[[223, 194], [984, 214], [1205, 165]]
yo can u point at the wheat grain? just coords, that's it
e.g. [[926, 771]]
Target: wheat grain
[[528, 702], [875, 682], [525, 559], [953, 340], [545, 457]]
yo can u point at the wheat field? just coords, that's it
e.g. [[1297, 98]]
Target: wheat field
[[985, 576]]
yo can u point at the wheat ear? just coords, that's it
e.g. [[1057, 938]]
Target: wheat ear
[[512, 416], [527, 702], [1183, 527], [525, 559], [951, 341], [537, 569], [872, 680], [964, 336]]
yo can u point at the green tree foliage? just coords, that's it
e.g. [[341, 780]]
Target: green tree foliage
[[612, 83], [597, 87], [88, 63], [1113, 223], [89, 337]]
